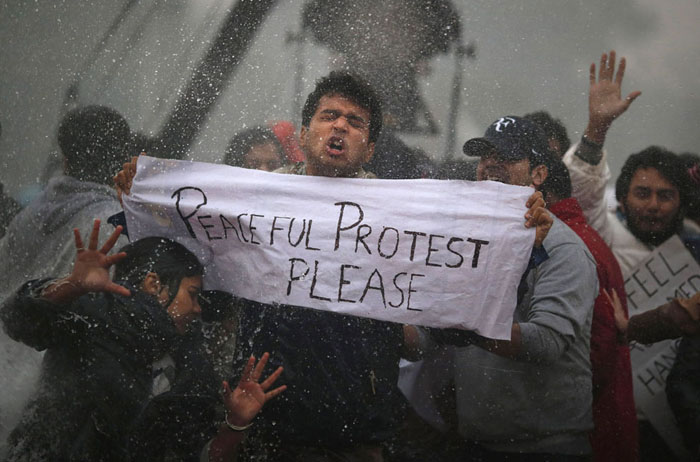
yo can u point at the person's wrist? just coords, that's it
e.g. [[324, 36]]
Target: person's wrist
[[63, 288], [235, 424], [591, 144], [597, 129]]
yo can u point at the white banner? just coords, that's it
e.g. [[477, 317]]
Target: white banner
[[669, 272], [423, 252]]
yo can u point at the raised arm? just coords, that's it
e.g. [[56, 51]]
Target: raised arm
[[37, 315], [605, 102], [589, 174], [680, 316]]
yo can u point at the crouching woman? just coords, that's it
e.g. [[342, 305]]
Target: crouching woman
[[121, 360]]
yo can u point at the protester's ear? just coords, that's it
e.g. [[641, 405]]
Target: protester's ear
[[539, 175], [302, 136], [151, 284]]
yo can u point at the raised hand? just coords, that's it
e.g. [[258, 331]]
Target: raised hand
[[605, 102], [90, 270], [245, 401]]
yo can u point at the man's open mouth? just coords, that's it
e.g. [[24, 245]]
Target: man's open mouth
[[335, 146]]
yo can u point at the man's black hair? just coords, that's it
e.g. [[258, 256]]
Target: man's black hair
[[553, 128], [95, 143], [243, 141], [352, 87], [558, 182], [170, 260], [668, 164]]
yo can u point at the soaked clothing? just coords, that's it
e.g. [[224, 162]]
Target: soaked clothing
[[299, 168], [539, 403], [614, 436], [118, 382], [683, 392], [341, 374], [39, 243]]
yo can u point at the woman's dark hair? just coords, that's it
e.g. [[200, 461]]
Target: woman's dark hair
[[243, 141], [170, 260], [664, 161], [352, 87]]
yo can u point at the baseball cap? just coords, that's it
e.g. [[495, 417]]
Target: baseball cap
[[513, 137]]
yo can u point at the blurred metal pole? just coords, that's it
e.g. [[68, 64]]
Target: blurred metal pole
[[211, 76], [73, 90], [298, 39], [461, 52]]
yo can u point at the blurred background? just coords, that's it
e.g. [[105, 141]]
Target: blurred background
[[189, 74]]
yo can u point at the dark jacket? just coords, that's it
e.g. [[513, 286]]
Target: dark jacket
[[683, 392], [94, 400], [341, 374]]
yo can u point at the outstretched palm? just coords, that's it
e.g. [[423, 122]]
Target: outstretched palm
[[91, 268], [249, 397], [605, 102]]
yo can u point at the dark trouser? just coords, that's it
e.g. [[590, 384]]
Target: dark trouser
[[360, 453], [480, 454]]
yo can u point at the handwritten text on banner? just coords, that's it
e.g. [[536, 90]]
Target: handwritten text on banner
[[424, 252]]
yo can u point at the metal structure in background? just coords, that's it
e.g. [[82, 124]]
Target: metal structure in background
[[390, 43], [73, 91], [461, 52], [211, 77]]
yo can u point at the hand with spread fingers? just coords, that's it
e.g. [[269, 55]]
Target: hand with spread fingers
[[245, 401], [605, 102], [538, 216], [125, 178], [242, 404], [90, 270]]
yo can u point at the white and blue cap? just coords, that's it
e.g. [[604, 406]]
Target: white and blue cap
[[512, 137]]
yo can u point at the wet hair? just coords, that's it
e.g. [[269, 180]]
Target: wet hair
[[558, 181], [95, 142], [553, 128], [352, 87], [243, 141], [170, 260], [669, 165]]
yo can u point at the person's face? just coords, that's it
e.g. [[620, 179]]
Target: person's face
[[185, 306], [263, 157], [336, 142], [495, 168], [652, 206]]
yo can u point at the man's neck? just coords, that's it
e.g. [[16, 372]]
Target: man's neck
[[313, 170]]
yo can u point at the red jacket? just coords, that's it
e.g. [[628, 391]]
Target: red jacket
[[614, 437]]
